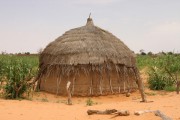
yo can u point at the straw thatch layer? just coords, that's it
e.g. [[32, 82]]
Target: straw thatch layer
[[87, 45]]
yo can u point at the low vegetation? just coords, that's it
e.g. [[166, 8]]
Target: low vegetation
[[17, 71], [15, 74], [163, 70]]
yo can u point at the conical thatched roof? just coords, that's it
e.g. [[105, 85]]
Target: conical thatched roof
[[88, 44]]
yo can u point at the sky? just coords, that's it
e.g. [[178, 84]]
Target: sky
[[149, 25]]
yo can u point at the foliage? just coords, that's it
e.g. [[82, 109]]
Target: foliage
[[144, 61], [16, 72], [158, 79], [143, 53], [150, 53], [163, 69]]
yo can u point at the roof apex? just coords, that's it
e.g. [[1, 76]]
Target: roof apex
[[89, 22]]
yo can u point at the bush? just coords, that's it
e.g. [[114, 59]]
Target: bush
[[158, 79], [16, 73], [163, 70], [143, 53]]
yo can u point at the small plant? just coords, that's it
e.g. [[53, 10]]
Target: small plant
[[89, 102]]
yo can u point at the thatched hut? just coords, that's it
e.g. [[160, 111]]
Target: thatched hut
[[92, 59]]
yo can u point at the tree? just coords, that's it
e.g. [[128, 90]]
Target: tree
[[142, 52]]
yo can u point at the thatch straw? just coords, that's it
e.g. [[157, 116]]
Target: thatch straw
[[87, 45]]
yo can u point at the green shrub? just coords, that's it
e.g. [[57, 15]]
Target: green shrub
[[16, 72], [158, 79], [163, 69]]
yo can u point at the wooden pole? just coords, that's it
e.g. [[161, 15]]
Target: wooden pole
[[109, 78], [119, 83], [73, 85], [128, 79], [91, 88], [111, 85], [69, 102], [124, 75], [58, 84], [37, 87], [100, 83], [140, 85], [124, 86], [57, 87]]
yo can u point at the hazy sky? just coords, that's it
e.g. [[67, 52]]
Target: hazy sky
[[28, 25]]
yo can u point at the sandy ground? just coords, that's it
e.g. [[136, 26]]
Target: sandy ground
[[44, 106], [49, 107]]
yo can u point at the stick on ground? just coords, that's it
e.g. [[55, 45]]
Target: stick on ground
[[162, 115], [157, 113], [109, 111], [143, 111]]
